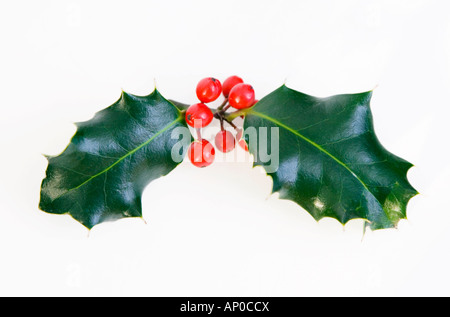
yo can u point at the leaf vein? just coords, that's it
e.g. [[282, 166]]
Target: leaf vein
[[263, 116], [124, 156]]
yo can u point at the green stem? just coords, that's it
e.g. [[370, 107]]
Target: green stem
[[234, 115]]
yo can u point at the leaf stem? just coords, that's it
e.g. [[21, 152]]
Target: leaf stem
[[234, 115]]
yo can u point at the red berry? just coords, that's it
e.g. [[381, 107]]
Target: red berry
[[201, 153], [225, 141], [241, 141], [243, 144], [199, 114], [229, 83], [241, 96], [208, 89]]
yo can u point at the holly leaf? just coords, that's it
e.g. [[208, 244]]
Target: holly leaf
[[330, 160], [111, 158]]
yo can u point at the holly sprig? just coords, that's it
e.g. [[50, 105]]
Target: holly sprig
[[329, 160]]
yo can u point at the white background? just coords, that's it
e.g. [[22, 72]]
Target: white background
[[218, 231]]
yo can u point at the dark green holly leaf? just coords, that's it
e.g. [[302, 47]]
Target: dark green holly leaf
[[330, 160], [111, 158]]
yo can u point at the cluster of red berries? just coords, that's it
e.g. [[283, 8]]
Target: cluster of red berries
[[237, 95]]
